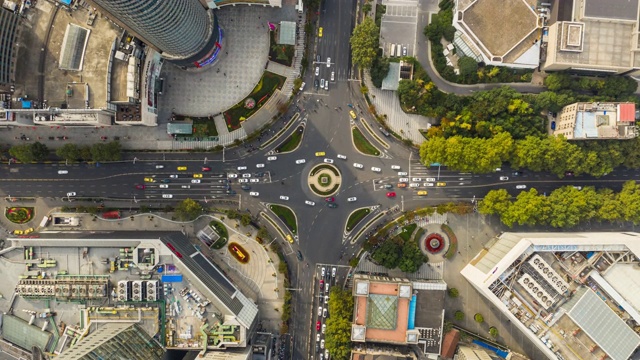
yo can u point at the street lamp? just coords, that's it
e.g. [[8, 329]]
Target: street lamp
[[223, 149]]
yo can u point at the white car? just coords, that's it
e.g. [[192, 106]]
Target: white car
[[333, 76], [63, 172], [254, 193], [173, 176], [272, 158], [328, 161], [395, 167], [310, 203], [186, 186], [246, 175], [243, 180], [167, 196], [302, 86], [254, 180], [164, 186], [343, 157], [71, 194], [521, 186], [358, 166], [232, 176], [430, 179], [240, 168], [402, 173], [577, 187], [322, 342], [195, 181], [323, 271], [504, 178], [403, 180], [318, 335], [328, 62], [282, 197], [333, 272], [317, 70], [416, 179], [376, 169], [321, 83], [319, 312], [326, 354], [498, 169], [324, 327], [159, 166], [326, 85], [259, 166], [324, 314], [429, 184], [301, 161], [414, 185], [352, 199]]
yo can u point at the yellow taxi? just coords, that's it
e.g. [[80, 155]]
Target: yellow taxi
[[320, 153], [422, 192], [28, 231], [197, 176], [352, 114], [182, 168], [290, 239], [441, 184], [320, 32], [148, 179], [18, 232]]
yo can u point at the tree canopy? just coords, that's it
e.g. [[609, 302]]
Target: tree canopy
[[28, 153], [364, 43], [338, 333], [188, 209]]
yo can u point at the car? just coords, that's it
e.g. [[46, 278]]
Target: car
[[376, 169], [284, 197], [316, 83], [28, 231], [324, 315], [310, 203], [333, 272], [332, 205], [517, 173], [391, 194], [242, 181], [328, 62], [333, 76], [173, 176], [148, 179], [404, 180], [320, 32], [422, 192], [318, 325], [343, 157], [205, 168], [197, 176], [352, 114], [358, 166], [322, 83], [182, 168], [302, 86], [324, 327], [352, 199], [69, 194], [140, 187], [388, 186], [568, 173], [318, 335], [577, 187], [402, 185], [299, 255], [317, 70], [430, 179], [504, 178], [259, 166], [319, 312], [395, 167], [441, 184], [164, 186], [240, 168], [520, 187], [330, 199], [185, 186], [404, 51], [326, 354], [553, 125], [416, 179], [245, 187], [414, 185], [254, 180], [63, 172], [498, 169], [300, 161], [159, 166], [326, 85], [317, 347], [254, 193], [403, 173], [289, 239], [167, 196], [195, 181], [328, 161], [326, 299], [232, 175], [246, 175], [272, 158], [258, 174], [429, 184], [384, 132], [323, 273], [20, 232], [165, 181]]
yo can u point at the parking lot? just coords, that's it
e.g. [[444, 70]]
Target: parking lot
[[399, 27]]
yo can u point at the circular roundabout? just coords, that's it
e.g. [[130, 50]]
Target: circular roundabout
[[324, 180], [434, 243]]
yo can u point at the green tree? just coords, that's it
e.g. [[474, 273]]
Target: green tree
[[379, 69], [610, 207], [245, 219], [618, 87], [530, 153], [338, 333], [188, 209], [364, 43], [495, 202], [528, 209], [453, 292], [388, 254], [106, 152], [468, 67], [29, 152], [629, 199], [478, 318], [493, 332], [459, 315], [366, 8], [557, 81], [69, 152], [40, 151], [412, 257]]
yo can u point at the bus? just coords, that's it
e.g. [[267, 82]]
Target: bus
[[393, 50]]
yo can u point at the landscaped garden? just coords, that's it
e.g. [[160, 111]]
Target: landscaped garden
[[258, 97], [280, 53], [286, 215], [203, 127], [362, 144], [292, 142], [19, 215], [357, 216], [221, 230]]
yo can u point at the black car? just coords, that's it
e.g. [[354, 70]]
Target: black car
[[316, 84], [568, 173], [246, 187], [299, 255], [517, 173], [332, 205]]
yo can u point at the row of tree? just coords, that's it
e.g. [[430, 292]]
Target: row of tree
[[36, 152], [565, 207], [338, 333], [550, 154]]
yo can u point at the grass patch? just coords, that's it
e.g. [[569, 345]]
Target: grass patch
[[260, 94], [453, 241], [286, 215], [362, 144], [326, 167], [292, 142], [407, 231], [221, 229], [419, 234], [323, 193], [356, 217]]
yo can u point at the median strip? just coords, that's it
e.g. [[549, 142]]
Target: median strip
[[375, 136], [361, 143], [282, 131]]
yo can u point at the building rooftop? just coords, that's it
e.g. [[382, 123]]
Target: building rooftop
[[612, 9]]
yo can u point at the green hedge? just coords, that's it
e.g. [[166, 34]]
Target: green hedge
[[453, 241]]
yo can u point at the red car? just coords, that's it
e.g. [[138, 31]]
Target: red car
[[321, 284], [330, 199], [206, 168], [318, 326], [140, 187], [391, 194]]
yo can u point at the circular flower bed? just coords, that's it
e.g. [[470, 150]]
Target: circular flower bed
[[434, 243], [249, 103], [19, 215]]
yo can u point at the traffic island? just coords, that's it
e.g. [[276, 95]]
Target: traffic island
[[356, 217], [292, 142], [19, 215], [361, 143], [324, 180], [287, 216]]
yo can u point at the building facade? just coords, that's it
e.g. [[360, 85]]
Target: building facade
[[184, 31], [592, 121], [9, 26]]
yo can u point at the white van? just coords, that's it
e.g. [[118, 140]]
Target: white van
[[63, 172], [392, 53]]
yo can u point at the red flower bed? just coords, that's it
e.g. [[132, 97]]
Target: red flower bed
[[434, 243]]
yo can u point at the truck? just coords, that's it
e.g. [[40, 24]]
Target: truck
[[45, 221], [115, 214]]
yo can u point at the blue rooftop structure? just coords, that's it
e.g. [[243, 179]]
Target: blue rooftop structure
[[585, 125], [26, 104], [412, 313]]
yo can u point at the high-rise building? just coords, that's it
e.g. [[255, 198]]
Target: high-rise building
[[184, 31], [115, 341], [9, 26]]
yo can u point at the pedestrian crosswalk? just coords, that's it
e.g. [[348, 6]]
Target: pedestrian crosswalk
[[223, 140], [417, 169]]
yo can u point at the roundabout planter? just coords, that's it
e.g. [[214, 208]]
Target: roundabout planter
[[324, 180], [238, 252], [434, 243], [19, 215]]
